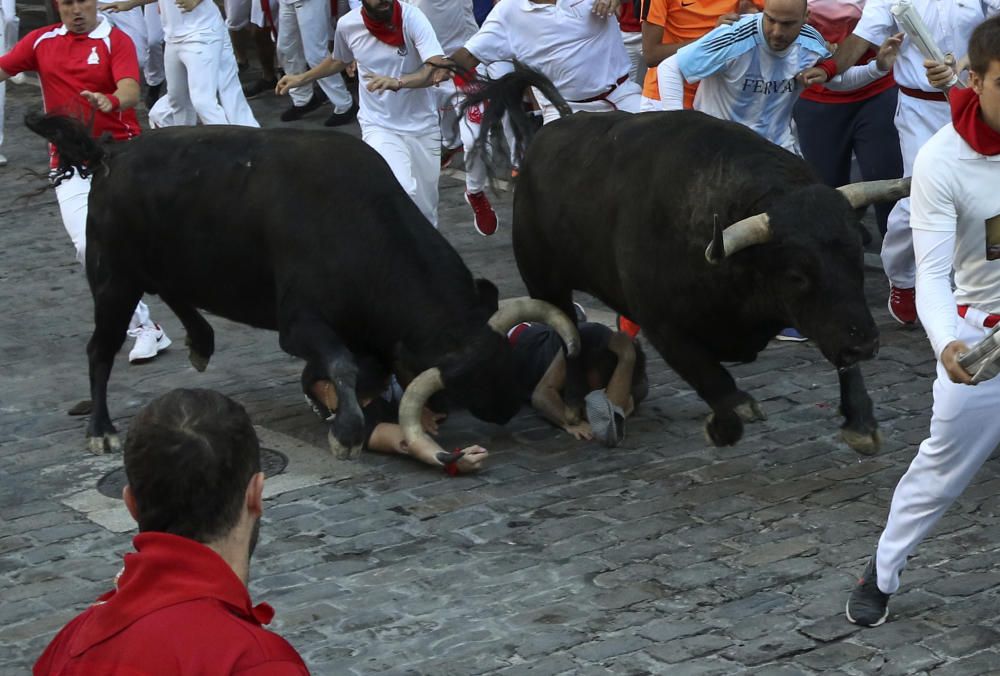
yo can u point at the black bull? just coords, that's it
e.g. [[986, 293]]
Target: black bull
[[624, 206], [306, 233]]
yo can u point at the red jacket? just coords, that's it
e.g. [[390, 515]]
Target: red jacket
[[178, 609]]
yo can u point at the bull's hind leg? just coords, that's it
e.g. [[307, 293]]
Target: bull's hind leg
[[200, 336], [860, 429], [114, 303], [326, 356], [713, 383]]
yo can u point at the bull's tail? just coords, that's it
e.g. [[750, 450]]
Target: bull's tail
[[76, 147], [505, 95]]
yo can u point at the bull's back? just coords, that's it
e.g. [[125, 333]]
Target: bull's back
[[224, 218]]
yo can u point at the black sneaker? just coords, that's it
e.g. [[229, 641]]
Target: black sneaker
[[346, 117], [868, 605], [259, 87], [298, 112]]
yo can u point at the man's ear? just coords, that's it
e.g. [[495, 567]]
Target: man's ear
[[255, 495], [129, 497]]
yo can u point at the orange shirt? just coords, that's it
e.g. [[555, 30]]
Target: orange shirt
[[684, 20]]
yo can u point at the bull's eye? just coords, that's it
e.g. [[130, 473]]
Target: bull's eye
[[798, 280]]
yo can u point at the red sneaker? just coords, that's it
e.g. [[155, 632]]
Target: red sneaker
[[486, 221], [626, 325], [903, 304]]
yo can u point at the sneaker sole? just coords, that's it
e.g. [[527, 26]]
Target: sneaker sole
[[881, 620]]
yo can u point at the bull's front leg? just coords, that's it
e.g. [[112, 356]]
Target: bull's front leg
[[860, 429], [713, 383], [313, 340]]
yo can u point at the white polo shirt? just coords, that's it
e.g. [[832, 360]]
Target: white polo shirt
[[453, 20], [409, 111], [954, 190], [744, 80], [582, 54], [950, 23], [202, 24]]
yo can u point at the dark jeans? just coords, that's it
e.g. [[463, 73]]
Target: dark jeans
[[830, 132]]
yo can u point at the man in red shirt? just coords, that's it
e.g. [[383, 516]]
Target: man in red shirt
[[180, 604], [88, 70]]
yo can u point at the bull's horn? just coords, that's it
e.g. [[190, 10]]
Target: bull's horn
[[738, 236], [517, 310], [868, 192], [415, 397]]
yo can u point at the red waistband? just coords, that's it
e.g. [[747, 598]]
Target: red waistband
[[989, 322], [601, 97], [921, 94]]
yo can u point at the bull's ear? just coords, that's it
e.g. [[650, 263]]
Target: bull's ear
[[489, 294]]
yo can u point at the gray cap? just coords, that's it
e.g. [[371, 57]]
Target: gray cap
[[607, 421]]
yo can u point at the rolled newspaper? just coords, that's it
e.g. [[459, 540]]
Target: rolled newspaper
[[982, 361], [913, 25]]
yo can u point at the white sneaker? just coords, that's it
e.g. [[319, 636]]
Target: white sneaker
[[149, 341], [3, 160]]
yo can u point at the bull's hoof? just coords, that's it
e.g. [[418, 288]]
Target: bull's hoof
[[109, 443], [723, 430], [340, 451], [750, 411], [864, 443], [198, 360]]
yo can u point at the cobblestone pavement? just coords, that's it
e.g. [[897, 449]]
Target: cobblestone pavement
[[663, 556]]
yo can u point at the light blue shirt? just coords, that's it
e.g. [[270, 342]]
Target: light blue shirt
[[744, 80]]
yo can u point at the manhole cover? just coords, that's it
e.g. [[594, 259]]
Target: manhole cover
[[111, 484]]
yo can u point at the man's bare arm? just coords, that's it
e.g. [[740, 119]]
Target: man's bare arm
[[127, 94]]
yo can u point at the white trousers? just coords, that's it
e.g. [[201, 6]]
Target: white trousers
[[916, 121], [179, 106], [466, 128], [627, 97], [153, 72], [648, 105], [303, 42], [964, 432], [237, 14], [193, 78], [8, 25], [72, 194], [633, 47], [415, 162], [133, 24]]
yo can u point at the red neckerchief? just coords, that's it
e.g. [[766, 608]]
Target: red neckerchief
[[390, 33], [969, 123]]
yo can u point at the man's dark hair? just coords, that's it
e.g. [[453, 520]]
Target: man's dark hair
[[984, 46], [189, 456]]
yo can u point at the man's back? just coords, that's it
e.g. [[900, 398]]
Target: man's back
[[178, 609]]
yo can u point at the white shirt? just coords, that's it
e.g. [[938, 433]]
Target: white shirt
[[582, 54], [955, 202], [744, 80], [950, 23], [203, 23], [408, 111], [453, 20]]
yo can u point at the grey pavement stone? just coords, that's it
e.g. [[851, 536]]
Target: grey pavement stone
[[832, 656], [964, 641]]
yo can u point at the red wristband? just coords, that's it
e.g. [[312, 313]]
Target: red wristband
[[115, 102], [829, 66]]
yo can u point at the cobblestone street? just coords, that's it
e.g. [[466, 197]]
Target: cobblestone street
[[663, 556]]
